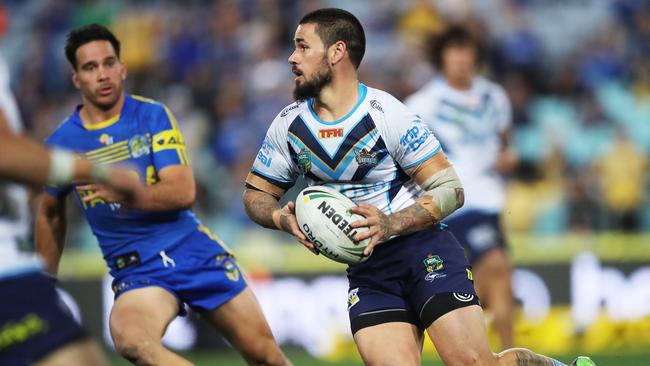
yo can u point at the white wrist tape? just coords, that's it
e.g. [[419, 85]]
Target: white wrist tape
[[445, 190], [61, 168]]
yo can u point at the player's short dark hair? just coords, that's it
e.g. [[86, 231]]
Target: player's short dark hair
[[455, 35], [88, 33], [333, 25]]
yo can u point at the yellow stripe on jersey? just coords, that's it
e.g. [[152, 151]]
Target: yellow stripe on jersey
[[112, 159], [172, 119], [108, 149], [100, 125], [143, 99]]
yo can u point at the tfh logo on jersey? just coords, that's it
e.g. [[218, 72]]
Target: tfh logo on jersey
[[365, 157], [330, 132]]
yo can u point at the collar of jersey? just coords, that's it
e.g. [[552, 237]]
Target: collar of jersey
[[362, 90], [98, 126]]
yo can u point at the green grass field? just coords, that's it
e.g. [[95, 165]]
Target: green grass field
[[300, 357]]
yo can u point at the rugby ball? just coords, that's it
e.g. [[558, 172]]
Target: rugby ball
[[324, 216]]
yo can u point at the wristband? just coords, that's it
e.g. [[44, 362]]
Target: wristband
[[61, 168]]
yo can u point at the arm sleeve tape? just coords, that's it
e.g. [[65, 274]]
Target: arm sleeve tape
[[445, 190]]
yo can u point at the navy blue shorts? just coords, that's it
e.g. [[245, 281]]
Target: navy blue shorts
[[478, 232], [199, 272], [415, 279], [33, 320]]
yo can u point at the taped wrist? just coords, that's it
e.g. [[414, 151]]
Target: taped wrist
[[445, 192], [61, 168]]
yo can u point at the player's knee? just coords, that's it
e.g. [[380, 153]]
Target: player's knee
[[264, 352], [135, 349], [393, 357], [473, 358]]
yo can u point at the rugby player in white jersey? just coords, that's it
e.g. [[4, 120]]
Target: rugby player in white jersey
[[472, 116], [369, 146], [35, 326]]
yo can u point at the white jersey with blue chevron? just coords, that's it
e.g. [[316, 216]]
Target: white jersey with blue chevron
[[364, 154], [468, 124]]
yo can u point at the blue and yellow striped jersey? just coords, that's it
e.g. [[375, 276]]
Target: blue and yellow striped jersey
[[145, 136]]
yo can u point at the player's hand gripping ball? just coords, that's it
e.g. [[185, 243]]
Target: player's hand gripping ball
[[324, 217]]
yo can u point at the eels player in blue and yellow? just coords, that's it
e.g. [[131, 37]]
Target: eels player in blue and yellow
[[159, 254]]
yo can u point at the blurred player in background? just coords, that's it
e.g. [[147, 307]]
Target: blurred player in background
[[369, 146], [471, 117], [159, 254], [36, 328]]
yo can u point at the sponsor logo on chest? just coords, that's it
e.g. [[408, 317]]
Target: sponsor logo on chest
[[327, 133]]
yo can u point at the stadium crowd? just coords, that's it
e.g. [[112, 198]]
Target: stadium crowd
[[577, 74]]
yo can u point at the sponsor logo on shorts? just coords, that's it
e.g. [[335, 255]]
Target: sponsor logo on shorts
[[353, 297], [20, 331], [123, 286], [433, 275], [463, 297], [433, 263]]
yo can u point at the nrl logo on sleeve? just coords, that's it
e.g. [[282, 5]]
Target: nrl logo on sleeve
[[304, 161], [330, 132], [365, 157]]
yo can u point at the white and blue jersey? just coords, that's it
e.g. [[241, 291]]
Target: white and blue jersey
[[14, 211], [364, 154], [468, 124]]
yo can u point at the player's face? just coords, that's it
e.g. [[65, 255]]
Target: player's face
[[99, 74], [459, 62], [309, 63]]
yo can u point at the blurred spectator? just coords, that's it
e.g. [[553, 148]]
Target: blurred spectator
[[622, 171]]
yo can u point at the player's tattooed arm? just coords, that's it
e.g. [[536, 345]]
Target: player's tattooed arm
[[381, 226], [261, 203], [259, 206]]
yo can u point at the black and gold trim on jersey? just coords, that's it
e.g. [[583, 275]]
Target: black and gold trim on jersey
[[361, 146]]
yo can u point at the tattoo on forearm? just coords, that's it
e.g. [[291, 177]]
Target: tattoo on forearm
[[411, 219], [259, 207], [529, 358]]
